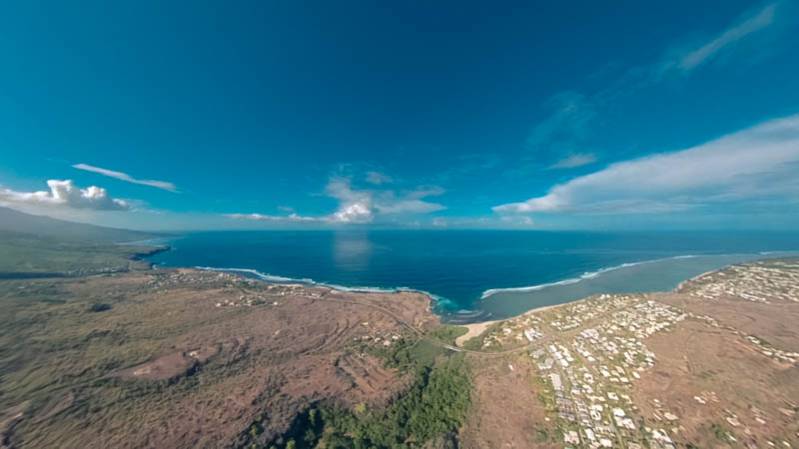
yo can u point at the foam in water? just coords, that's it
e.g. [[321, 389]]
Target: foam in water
[[589, 275], [438, 300]]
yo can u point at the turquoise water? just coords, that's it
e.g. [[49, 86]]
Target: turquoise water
[[478, 275]]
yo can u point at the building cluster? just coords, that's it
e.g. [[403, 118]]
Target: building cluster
[[245, 301], [239, 290], [165, 279], [591, 372], [764, 282], [770, 351], [574, 315], [375, 337], [524, 329]]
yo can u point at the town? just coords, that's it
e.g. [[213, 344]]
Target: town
[[758, 282], [589, 354]]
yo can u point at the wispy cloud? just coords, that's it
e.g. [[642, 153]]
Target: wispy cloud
[[708, 50], [377, 178], [66, 194], [573, 116], [410, 203], [574, 161], [164, 185], [756, 163], [565, 128]]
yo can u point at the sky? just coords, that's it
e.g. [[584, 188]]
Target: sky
[[518, 115]]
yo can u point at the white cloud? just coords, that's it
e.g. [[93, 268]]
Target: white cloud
[[574, 161], [353, 213], [759, 162], [358, 206], [698, 56], [377, 178], [66, 194], [361, 206], [273, 218], [164, 185], [355, 206]]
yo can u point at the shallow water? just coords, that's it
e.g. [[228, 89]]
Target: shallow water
[[656, 275]]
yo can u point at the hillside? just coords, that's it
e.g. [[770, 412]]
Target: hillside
[[32, 246], [13, 221]]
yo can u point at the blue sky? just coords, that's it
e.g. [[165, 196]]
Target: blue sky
[[199, 115]]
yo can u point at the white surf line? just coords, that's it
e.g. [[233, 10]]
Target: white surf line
[[308, 281], [583, 277]]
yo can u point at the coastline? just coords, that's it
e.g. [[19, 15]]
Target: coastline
[[476, 329], [148, 251], [473, 328]]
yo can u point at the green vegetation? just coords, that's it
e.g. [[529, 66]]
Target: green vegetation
[[99, 307], [409, 353], [434, 407], [476, 343], [448, 333], [720, 432], [541, 435]]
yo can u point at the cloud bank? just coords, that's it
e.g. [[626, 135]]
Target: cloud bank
[[757, 163], [163, 185], [66, 194]]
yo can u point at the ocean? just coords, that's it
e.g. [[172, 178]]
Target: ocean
[[477, 275]]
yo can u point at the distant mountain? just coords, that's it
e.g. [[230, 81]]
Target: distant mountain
[[13, 221]]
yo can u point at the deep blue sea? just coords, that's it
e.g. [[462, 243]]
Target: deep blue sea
[[479, 275]]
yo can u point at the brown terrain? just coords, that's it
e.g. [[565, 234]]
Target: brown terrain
[[714, 375], [187, 358], [506, 410]]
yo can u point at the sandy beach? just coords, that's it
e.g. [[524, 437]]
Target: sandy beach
[[475, 329]]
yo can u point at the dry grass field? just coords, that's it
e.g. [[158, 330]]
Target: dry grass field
[[187, 359]]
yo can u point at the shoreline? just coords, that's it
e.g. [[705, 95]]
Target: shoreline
[[476, 329], [473, 328]]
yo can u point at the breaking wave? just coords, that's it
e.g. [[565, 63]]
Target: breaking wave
[[439, 301], [583, 277]]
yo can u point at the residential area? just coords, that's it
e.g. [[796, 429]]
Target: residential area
[[590, 355]]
